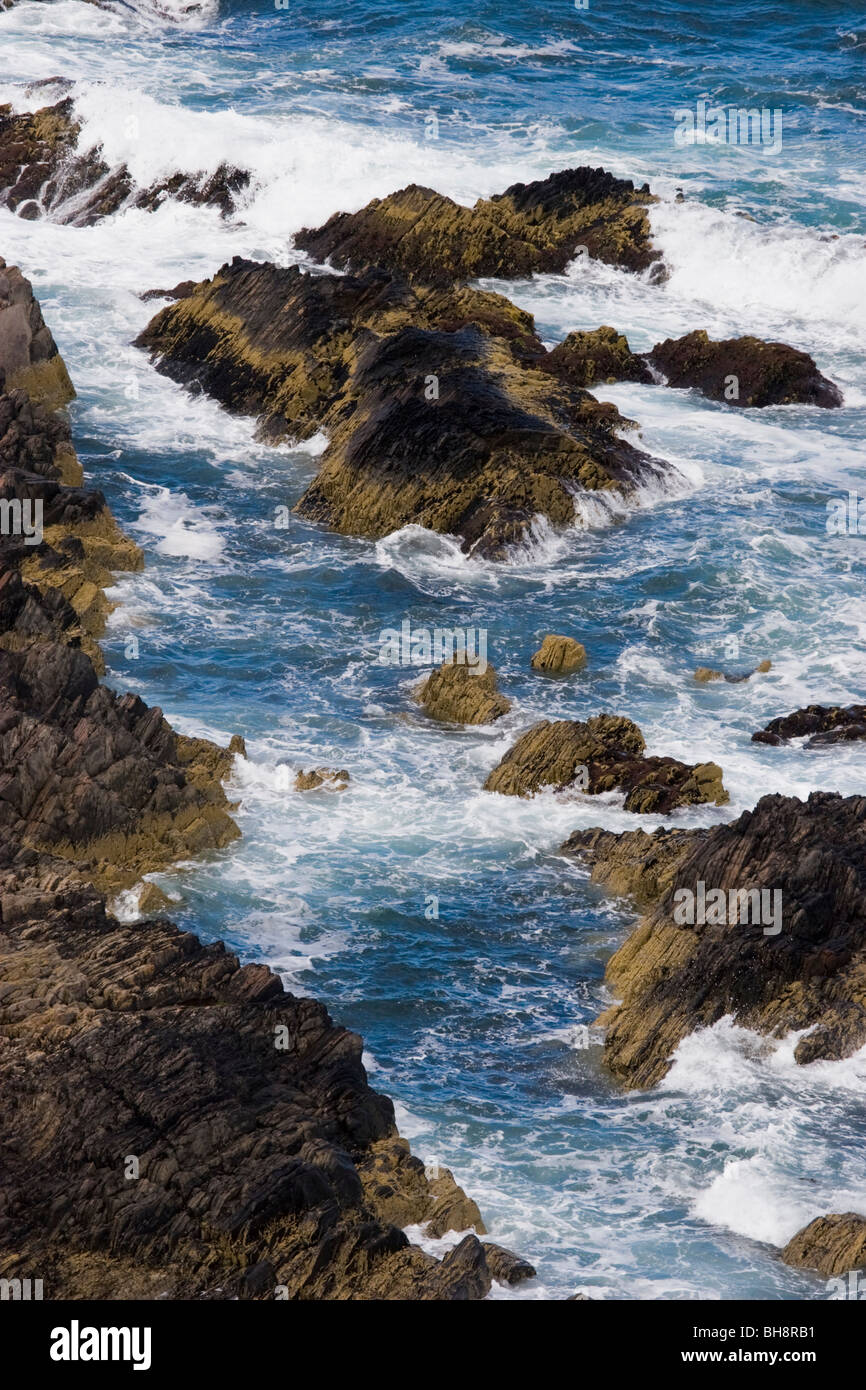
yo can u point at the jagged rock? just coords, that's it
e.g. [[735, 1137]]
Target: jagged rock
[[322, 777], [396, 1184], [603, 355], [825, 723], [506, 1267], [29, 359], [704, 674], [459, 694], [196, 1131], [634, 864], [810, 975], [532, 227], [151, 899], [42, 170], [831, 1244], [766, 373], [241, 1175], [604, 754], [559, 656], [436, 411]]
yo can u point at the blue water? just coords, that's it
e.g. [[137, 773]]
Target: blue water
[[435, 919]]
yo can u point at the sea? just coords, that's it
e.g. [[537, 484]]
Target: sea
[[438, 920]]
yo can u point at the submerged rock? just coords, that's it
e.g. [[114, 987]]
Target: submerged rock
[[604, 754], [459, 694], [832, 1245], [825, 723], [322, 777], [797, 961], [705, 674], [743, 371], [436, 411], [559, 656], [538, 226]]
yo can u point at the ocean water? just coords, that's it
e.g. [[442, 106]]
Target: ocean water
[[437, 920]]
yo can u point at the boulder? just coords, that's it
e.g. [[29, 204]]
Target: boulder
[[704, 674], [459, 694], [559, 656], [333, 779], [765, 373], [606, 753], [603, 355]]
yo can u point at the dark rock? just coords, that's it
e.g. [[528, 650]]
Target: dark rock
[[42, 170], [766, 373], [506, 1267], [436, 411], [811, 974], [29, 359], [538, 226], [604, 754], [603, 355], [180, 291], [825, 723]]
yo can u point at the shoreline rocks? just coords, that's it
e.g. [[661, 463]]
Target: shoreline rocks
[[809, 974], [832, 1245], [436, 411], [197, 1132], [607, 753], [28, 353], [746, 372]]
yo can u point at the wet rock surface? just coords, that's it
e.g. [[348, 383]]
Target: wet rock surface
[[29, 359], [604, 754], [823, 724], [764, 373], [538, 226], [43, 171], [809, 974], [436, 411]]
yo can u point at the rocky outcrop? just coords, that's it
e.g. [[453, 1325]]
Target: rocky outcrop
[[29, 359], [332, 778], [559, 656], [793, 960], [172, 1125], [819, 724], [832, 1245], [43, 171], [531, 227], [603, 355], [436, 410], [743, 371], [602, 755], [705, 674], [199, 1133], [460, 694]]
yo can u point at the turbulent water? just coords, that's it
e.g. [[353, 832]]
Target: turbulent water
[[475, 1020]]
